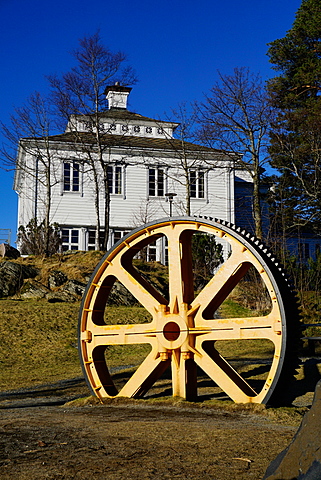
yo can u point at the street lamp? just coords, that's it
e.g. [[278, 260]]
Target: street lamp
[[170, 197]]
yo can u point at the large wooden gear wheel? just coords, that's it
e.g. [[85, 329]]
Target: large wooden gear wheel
[[183, 331]]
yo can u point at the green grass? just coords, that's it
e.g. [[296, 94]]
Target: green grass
[[38, 342], [126, 315], [232, 309]]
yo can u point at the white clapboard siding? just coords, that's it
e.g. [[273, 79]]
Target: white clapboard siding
[[224, 188]]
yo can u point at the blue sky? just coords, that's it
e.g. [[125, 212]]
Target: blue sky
[[176, 48]]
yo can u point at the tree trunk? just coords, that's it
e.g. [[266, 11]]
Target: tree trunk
[[106, 210], [257, 214], [47, 210]]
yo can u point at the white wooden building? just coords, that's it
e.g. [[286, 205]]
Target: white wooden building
[[145, 162]]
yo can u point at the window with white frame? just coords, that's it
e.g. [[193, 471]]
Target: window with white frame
[[91, 239], [118, 234], [152, 252], [70, 239], [114, 173], [71, 177], [197, 183], [156, 182]]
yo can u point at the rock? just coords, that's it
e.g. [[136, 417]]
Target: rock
[[70, 292], [60, 296], [119, 295], [56, 279], [12, 276], [33, 289], [75, 288], [301, 460], [29, 271], [8, 251]]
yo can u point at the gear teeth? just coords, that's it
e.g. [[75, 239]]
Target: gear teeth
[[257, 244]]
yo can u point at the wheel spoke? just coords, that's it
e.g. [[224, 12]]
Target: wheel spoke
[[141, 290], [180, 266], [119, 334], [246, 328], [220, 286], [145, 376], [224, 375]]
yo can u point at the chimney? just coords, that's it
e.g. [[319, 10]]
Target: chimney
[[117, 96]]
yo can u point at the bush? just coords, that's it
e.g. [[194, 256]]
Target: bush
[[37, 239]]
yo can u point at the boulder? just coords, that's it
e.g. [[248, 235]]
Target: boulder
[[29, 271], [119, 295], [60, 296], [33, 289], [12, 276], [301, 460], [8, 251], [71, 291]]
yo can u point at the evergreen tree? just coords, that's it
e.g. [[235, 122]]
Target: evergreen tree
[[296, 136]]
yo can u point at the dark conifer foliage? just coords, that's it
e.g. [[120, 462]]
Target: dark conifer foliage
[[296, 136]]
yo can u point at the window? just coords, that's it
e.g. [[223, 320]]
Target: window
[[197, 183], [71, 177], [156, 182], [166, 252], [91, 243], [118, 234], [70, 239], [114, 173]]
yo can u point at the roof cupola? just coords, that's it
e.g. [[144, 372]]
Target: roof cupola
[[117, 96]]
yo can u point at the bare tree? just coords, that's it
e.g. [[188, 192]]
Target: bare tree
[[189, 162], [30, 128], [79, 96], [236, 117]]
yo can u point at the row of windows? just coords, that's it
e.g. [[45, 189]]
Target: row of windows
[[71, 178], [156, 180], [124, 128], [70, 238], [71, 241]]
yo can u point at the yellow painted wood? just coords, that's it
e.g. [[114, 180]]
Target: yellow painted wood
[[182, 333]]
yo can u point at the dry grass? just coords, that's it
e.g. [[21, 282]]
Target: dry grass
[[77, 265]]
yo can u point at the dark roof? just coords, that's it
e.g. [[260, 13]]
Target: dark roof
[[128, 141], [126, 115], [117, 88]]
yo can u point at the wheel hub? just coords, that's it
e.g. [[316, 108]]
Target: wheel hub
[[173, 331]]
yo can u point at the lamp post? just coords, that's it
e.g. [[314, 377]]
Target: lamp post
[[170, 197]]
